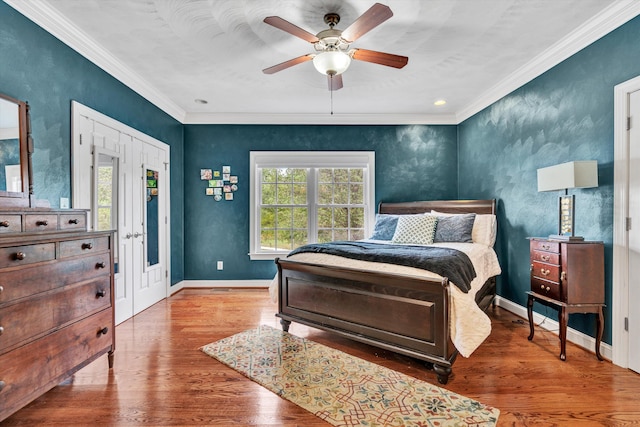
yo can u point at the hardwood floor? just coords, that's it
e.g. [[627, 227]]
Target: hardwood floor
[[162, 378]]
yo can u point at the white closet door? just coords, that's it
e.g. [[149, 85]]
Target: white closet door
[[634, 233]]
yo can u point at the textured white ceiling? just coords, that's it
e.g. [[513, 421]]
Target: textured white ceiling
[[176, 51]]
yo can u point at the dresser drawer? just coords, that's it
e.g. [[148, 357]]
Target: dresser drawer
[[34, 317], [10, 223], [545, 287], [75, 221], [543, 245], [40, 222], [546, 271], [14, 256], [23, 282], [86, 246], [35, 368], [548, 257]]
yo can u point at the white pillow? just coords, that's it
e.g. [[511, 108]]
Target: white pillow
[[417, 229], [484, 228]]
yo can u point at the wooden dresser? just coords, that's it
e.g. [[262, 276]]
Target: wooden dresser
[[569, 276], [56, 301]]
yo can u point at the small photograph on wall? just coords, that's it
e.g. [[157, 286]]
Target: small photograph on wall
[[216, 174], [205, 174], [234, 187], [209, 191], [233, 179], [226, 169], [154, 191], [227, 189], [217, 191], [226, 176], [217, 197], [228, 196]]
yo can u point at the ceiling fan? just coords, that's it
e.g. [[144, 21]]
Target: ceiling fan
[[333, 46]]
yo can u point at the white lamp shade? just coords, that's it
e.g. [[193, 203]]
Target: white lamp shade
[[332, 62], [579, 174]]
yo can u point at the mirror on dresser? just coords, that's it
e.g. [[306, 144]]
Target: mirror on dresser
[[16, 147]]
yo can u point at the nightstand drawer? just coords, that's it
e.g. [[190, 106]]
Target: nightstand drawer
[[545, 287], [546, 271], [544, 245], [548, 257]]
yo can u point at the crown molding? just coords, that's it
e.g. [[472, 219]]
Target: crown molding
[[319, 119], [48, 18], [608, 20]]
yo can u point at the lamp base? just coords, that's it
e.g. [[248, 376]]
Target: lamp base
[[566, 238]]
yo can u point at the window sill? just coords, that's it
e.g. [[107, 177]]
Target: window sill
[[267, 256]]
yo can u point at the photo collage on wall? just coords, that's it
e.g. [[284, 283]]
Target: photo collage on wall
[[222, 184], [152, 184]]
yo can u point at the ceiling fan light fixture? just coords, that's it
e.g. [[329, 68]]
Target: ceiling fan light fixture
[[332, 62]]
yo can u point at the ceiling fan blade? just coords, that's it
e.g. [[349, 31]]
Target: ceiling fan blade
[[376, 15], [286, 64], [288, 27], [388, 59], [335, 81]]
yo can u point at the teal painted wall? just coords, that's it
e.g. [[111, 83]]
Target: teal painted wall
[[38, 68], [412, 163], [563, 115]]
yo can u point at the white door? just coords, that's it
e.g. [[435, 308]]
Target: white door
[[634, 233], [101, 142]]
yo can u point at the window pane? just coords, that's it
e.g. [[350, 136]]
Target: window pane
[[267, 239], [357, 194], [300, 238], [104, 193], [300, 218], [341, 217], [284, 194], [325, 194], [104, 218], [325, 175], [299, 175], [357, 234], [356, 219], [341, 175], [268, 194], [285, 175], [325, 236], [268, 175], [356, 175], [325, 219], [283, 240], [299, 194], [340, 234], [341, 194], [284, 218], [267, 218]]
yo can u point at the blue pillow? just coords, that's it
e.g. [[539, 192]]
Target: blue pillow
[[455, 228], [385, 227]]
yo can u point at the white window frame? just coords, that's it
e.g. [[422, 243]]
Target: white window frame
[[306, 159]]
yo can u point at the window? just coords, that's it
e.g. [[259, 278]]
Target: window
[[306, 197]]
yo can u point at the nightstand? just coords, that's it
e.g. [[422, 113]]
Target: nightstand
[[568, 276]]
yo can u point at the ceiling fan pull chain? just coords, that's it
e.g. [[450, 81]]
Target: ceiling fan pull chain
[[331, 92]]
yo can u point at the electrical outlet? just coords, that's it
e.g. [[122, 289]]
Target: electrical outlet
[[220, 265]]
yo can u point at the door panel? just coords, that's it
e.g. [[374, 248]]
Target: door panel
[[634, 234]]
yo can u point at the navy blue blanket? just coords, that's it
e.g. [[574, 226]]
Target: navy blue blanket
[[447, 262]]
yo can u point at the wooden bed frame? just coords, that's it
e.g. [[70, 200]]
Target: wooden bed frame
[[405, 314]]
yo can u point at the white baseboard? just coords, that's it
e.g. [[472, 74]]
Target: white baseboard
[[220, 284], [578, 338]]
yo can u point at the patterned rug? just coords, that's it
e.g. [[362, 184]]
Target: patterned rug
[[342, 389]]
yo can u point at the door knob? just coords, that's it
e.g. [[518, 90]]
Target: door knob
[[128, 236], [136, 234]]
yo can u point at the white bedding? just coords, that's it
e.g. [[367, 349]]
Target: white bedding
[[469, 325]]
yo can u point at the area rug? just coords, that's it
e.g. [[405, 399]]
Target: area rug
[[342, 389]]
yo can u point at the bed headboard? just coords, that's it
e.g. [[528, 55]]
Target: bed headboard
[[446, 206]]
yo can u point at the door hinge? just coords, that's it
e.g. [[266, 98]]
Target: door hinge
[[165, 220], [626, 324], [628, 223], [629, 123], [166, 273], [80, 139], [166, 165]]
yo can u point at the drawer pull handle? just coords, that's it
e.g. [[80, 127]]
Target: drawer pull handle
[[1, 330], [42, 223], [545, 257], [87, 246], [101, 293], [103, 331], [1, 289], [563, 275], [544, 272], [2, 384], [101, 264], [546, 247], [73, 221], [4, 224], [20, 256]]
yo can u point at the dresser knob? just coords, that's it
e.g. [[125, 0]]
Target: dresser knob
[[103, 331], [20, 256], [545, 257], [548, 289], [101, 293], [544, 272], [101, 265], [4, 224], [87, 246], [2, 384], [1, 289], [1, 330], [563, 275], [542, 287], [42, 223], [73, 221], [546, 247]]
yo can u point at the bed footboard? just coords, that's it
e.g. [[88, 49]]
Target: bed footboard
[[404, 314]]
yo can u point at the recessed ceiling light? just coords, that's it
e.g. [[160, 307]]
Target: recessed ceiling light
[[201, 101], [439, 102]]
